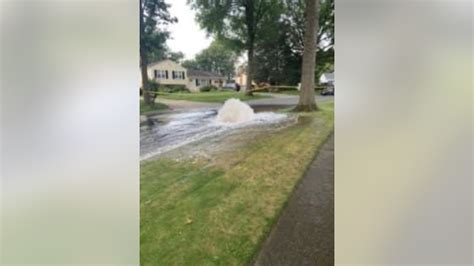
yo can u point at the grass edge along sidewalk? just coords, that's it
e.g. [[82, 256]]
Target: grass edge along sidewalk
[[211, 97], [196, 214], [144, 109]]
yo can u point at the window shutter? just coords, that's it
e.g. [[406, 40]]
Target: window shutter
[[166, 74], [155, 72], [183, 75], [173, 74]]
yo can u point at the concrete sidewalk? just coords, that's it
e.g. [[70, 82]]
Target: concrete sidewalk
[[304, 233]]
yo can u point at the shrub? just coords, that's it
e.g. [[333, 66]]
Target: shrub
[[173, 88], [156, 86], [153, 85], [208, 88]]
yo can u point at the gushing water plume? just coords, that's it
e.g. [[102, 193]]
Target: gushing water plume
[[235, 111]]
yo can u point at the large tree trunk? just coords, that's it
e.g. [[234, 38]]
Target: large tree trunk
[[143, 60], [250, 64], [307, 101], [249, 21], [147, 97]]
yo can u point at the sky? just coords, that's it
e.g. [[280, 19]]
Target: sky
[[186, 35]]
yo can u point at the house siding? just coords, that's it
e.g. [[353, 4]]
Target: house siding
[[172, 68], [171, 78]]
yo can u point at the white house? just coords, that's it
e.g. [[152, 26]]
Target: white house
[[168, 72], [327, 78], [199, 78], [241, 77]]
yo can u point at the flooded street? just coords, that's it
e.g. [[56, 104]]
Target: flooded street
[[166, 132]]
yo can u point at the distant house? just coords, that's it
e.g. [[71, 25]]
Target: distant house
[[199, 78], [168, 72], [327, 78], [241, 76]]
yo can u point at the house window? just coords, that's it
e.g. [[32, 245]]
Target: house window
[[160, 74], [178, 75], [198, 82]]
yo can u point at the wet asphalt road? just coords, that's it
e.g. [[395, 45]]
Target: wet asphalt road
[[304, 233], [280, 100]]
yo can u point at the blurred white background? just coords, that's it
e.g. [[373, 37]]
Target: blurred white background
[[69, 132], [404, 132]]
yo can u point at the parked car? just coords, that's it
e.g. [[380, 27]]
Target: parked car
[[328, 91], [230, 85]]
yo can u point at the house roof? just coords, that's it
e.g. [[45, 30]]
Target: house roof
[[205, 74], [165, 61], [329, 76], [161, 61]]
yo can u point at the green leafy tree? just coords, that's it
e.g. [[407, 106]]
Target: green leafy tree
[[166, 53], [294, 16], [279, 49], [154, 16], [325, 35], [238, 22], [175, 56], [217, 58], [277, 62], [191, 64], [325, 52]]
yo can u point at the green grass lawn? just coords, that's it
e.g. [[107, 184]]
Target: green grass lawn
[[217, 96], [156, 107], [199, 214]]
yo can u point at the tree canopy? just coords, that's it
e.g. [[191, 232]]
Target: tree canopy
[[279, 50], [154, 16], [217, 58], [272, 33], [237, 22]]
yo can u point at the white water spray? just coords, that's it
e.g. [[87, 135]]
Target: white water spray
[[235, 111], [181, 129]]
